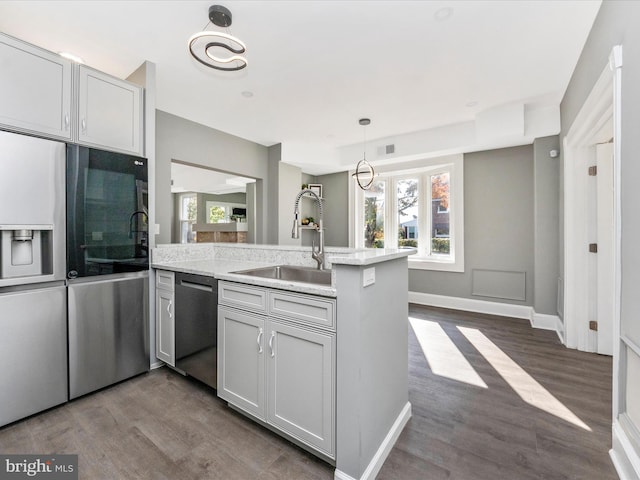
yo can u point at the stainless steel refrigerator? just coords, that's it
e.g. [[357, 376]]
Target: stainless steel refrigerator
[[107, 268], [33, 315]]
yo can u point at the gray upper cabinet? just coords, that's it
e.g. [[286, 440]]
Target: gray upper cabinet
[[109, 112], [47, 95], [35, 89]]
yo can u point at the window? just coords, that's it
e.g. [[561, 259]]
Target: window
[[188, 215], [423, 207], [223, 212], [374, 215]]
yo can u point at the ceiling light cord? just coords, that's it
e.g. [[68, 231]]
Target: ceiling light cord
[[364, 173]]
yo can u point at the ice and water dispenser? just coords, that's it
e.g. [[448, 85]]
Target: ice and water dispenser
[[32, 210], [25, 250]]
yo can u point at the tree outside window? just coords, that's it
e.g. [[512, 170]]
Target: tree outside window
[[440, 239], [407, 194], [374, 216], [217, 214]]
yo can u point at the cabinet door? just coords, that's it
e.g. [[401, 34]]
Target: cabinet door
[[241, 353], [109, 112], [165, 327], [300, 383], [35, 89]]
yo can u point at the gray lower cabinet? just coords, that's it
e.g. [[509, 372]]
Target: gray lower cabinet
[[279, 370], [165, 320], [241, 360], [300, 384]]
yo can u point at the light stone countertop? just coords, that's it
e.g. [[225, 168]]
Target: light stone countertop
[[221, 260]]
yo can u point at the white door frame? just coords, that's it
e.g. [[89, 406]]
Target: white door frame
[[601, 107]]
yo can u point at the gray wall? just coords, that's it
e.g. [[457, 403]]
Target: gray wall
[[288, 189], [498, 227], [546, 224], [181, 139], [335, 190]]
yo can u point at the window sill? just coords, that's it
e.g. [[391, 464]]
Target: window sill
[[426, 263]]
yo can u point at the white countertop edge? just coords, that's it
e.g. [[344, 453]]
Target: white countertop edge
[[369, 256]]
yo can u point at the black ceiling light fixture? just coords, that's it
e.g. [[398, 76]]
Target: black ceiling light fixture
[[364, 173], [218, 50]]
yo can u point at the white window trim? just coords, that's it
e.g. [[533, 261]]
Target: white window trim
[[455, 164], [181, 219]]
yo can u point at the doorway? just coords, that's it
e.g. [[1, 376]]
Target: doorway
[[203, 196], [591, 223]]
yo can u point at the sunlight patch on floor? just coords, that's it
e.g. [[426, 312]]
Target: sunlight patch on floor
[[522, 383], [441, 353]]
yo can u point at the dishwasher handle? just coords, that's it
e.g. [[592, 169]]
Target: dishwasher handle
[[197, 286]]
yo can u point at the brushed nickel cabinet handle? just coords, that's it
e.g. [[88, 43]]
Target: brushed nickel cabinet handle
[[259, 341], [273, 335]]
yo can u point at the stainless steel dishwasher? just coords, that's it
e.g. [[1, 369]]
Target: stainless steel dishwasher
[[196, 329]]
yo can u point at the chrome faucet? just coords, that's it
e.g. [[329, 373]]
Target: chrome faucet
[[317, 255]]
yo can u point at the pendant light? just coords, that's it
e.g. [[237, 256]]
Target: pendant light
[[364, 173], [208, 46]]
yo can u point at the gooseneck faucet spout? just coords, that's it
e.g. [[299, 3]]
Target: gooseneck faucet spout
[[317, 255]]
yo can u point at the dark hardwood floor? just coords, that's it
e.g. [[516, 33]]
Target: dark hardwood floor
[[506, 402]]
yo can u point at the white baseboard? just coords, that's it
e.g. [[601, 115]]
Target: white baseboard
[[157, 364], [383, 451], [537, 320], [471, 305], [624, 457], [560, 329], [544, 321]]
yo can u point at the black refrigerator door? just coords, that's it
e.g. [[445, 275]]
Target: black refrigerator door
[[107, 216]]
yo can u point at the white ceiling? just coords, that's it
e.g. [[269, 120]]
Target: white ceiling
[[316, 67]]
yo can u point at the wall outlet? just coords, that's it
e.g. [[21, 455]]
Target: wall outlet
[[368, 276], [96, 236]]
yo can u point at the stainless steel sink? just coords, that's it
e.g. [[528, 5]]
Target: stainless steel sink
[[291, 273]]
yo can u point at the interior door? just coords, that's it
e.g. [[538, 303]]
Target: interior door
[[605, 257]]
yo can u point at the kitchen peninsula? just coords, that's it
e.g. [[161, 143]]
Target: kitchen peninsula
[[343, 343]]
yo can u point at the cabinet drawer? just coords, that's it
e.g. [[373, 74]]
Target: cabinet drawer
[[303, 308], [165, 280], [242, 296]]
